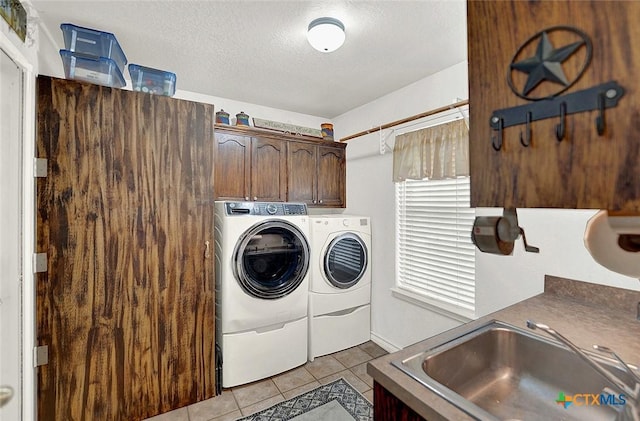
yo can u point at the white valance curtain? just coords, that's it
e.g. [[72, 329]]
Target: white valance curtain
[[435, 153]]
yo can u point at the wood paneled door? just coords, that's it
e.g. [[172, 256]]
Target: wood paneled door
[[125, 216]]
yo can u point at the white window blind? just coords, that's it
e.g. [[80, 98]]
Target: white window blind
[[436, 258]]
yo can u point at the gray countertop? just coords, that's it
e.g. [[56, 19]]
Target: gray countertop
[[586, 314]]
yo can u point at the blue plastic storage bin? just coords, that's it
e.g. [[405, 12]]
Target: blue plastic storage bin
[[100, 70], [153, 81], [94, 43]]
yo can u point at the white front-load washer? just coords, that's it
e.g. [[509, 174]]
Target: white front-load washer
[[262, 281], [340, 283]]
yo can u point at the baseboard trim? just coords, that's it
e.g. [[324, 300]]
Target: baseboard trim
[[384, 344]]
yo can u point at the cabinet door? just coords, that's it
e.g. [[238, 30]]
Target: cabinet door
[[386, 406], [302, 173], [125, 215], [233, 166], [585, 170], [331, 177], [269, 170]]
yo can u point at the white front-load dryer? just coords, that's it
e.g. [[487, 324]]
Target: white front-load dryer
[[340, 283], [262, 282]]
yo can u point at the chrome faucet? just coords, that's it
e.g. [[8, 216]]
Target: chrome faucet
[[632, 412], [629, 370]]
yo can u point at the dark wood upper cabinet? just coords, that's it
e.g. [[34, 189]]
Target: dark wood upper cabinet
[[302, 171], [317, 174], [331, 176], [250, 168], [585, 169], [269, 170], [233, 166], [255, 164], [126, 306]]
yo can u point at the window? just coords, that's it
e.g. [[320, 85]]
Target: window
[[435, 256]]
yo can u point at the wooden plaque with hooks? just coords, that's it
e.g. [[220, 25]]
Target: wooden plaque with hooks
[[596, 115]]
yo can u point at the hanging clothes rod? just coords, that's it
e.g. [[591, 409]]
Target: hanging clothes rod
[[407, 119]]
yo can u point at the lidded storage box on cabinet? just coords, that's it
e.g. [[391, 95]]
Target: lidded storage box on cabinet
[[94, 43], [153, 81], [100, 70], [92, 56]]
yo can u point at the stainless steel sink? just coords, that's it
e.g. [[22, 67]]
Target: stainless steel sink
[[499, 371]]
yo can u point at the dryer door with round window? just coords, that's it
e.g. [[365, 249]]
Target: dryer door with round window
[[345, 260], [271, 259]]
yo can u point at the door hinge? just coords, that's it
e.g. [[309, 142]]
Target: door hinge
[[40, 167], [40, 355], [39, 262]]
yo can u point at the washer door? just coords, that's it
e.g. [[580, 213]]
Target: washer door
[[345, 260], [271, 259]]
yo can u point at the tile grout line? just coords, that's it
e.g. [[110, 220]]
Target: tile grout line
[[235, 400], [315, 379]]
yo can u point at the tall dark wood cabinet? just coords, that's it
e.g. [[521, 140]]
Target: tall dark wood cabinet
[[125, 217], [585, 168]]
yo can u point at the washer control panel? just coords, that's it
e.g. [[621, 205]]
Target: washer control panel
[[265, 208]]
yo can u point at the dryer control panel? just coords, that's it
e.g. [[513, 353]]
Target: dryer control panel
[[265, 208]]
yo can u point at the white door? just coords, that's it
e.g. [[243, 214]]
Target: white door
[[11, 105]]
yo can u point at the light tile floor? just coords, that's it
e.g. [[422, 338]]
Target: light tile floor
[[244, 400]]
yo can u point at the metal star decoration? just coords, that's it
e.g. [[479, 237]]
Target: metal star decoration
[[546, 64]]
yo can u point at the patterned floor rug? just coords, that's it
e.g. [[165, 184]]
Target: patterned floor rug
[[335, 401]]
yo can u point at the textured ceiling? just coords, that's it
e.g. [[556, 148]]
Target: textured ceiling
[[257, 52]]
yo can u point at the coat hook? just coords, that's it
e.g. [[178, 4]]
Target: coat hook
[[561, 127], [600, 117], [496, 141], [526, 141]]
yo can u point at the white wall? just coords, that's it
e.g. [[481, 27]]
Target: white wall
[[370, 191], [500, 280], [25, 55]]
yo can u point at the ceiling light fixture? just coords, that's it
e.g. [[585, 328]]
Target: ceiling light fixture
[[326, 34]]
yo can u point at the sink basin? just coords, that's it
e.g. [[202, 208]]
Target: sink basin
[[501, 372]]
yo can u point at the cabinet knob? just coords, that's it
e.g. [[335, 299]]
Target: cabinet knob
[[246, 198], [255, 197], [320, 200], [314, 201]]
